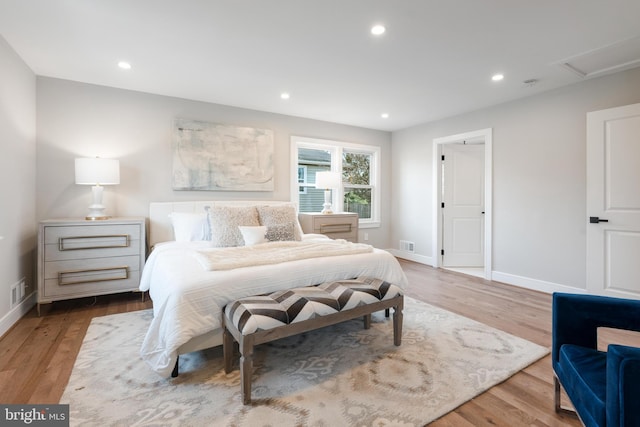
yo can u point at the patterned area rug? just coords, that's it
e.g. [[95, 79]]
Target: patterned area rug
[[341, 375]]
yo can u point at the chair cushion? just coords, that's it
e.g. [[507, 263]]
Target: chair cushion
[[264, 312], [582, 373]]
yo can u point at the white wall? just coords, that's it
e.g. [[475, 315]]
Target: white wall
[[539, 180], [78, 120], [17, 175]]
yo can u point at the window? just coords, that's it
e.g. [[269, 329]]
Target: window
[[356, 181], [358, 165], [302, 179]]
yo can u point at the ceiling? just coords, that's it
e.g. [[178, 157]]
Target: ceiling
[[435, 59]]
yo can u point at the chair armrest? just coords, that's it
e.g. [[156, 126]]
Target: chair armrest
[[623, 385], [576, 318]]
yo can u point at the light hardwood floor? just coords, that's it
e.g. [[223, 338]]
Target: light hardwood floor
[[37, 354]]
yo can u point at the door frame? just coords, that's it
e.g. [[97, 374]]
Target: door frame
[[482, 135]]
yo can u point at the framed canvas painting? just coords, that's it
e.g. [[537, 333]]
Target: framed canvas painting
[[218, 157]]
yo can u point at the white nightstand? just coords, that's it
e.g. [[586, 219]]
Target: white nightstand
[[337, 225], [79, 258]]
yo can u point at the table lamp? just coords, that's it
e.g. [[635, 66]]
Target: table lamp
[[97, 172], [327, 180]]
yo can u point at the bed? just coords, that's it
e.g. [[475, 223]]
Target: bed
[[196, 267]]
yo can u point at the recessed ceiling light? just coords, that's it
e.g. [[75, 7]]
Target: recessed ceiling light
[[124, 65], [378, 29], [285, 95], [384, 115], [497, 77]]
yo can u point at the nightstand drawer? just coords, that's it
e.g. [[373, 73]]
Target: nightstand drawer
[[335, 226], [82, 242], [76, 276], [330, 224]]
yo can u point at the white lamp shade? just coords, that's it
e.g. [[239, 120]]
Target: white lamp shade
[[327, 180], [97, 171]]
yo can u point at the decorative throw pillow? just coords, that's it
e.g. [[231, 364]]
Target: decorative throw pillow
[[253, 235], [189, 226], [278, 215], [280, 232], [224, 223]]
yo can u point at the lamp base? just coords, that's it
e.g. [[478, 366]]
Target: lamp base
[[96, 218], [327, 202], [326, 210], [96, 209]]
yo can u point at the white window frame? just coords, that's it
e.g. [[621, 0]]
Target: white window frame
[[304, 179], [336, 149]]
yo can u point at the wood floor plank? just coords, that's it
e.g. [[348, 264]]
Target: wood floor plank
[[38, 353]]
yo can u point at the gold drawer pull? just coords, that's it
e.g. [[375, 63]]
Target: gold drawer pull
[[126, 242], [335, 228], [75, 273]]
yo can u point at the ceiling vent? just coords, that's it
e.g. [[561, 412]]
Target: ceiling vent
[[622, 55]]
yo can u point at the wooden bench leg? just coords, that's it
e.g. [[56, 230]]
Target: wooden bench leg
[[386, 312], [397, 323], [367, 321], [227, 350], [246, 368]]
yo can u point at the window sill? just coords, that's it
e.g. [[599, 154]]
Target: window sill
[[369, 224]]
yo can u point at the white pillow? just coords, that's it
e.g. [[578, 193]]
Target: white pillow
[[253, 235], [188, 226]]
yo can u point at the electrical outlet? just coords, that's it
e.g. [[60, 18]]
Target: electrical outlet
[[366, 236]]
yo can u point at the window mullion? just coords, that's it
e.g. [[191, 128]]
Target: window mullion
[[336, 166]]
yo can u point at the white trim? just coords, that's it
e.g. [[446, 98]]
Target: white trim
[[422, 259], [534, 284], [483, 134], [509, 279], [16, 313]]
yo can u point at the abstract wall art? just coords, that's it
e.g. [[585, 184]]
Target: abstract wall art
[[218, 157]]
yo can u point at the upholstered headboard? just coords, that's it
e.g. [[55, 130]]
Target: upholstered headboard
[[160, 229]]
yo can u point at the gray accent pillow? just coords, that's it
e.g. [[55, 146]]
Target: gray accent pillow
[[275, 216], [224, 223], [280, 232]]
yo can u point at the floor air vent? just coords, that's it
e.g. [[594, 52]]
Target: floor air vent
[[407, 246]]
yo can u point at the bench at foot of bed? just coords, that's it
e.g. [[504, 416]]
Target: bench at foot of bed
[[260, 319]]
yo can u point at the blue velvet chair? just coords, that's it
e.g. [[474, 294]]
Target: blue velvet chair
[[604, 387]]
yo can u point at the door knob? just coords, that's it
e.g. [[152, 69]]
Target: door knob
[[595, 220]]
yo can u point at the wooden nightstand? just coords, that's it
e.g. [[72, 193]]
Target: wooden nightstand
[[337, 225], [79, 258]]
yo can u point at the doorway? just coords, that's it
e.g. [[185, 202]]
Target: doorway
[[462, 202]]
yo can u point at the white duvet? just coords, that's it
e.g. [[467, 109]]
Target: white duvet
[[188, 300]]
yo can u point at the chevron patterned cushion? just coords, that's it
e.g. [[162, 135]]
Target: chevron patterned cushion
[[281, 308]]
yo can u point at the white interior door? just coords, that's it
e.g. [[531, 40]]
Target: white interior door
[[613, 201], [463, 211]]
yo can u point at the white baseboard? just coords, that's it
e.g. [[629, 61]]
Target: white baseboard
[[422, 259], [510, 279], [534, 284], [16, 313]]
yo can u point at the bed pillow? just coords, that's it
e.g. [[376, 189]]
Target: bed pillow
[[189, 226], [278, 216], [253, 235], [280, 232], [224, 222]]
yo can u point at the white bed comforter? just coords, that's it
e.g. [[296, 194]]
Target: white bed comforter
[[188, 300]]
